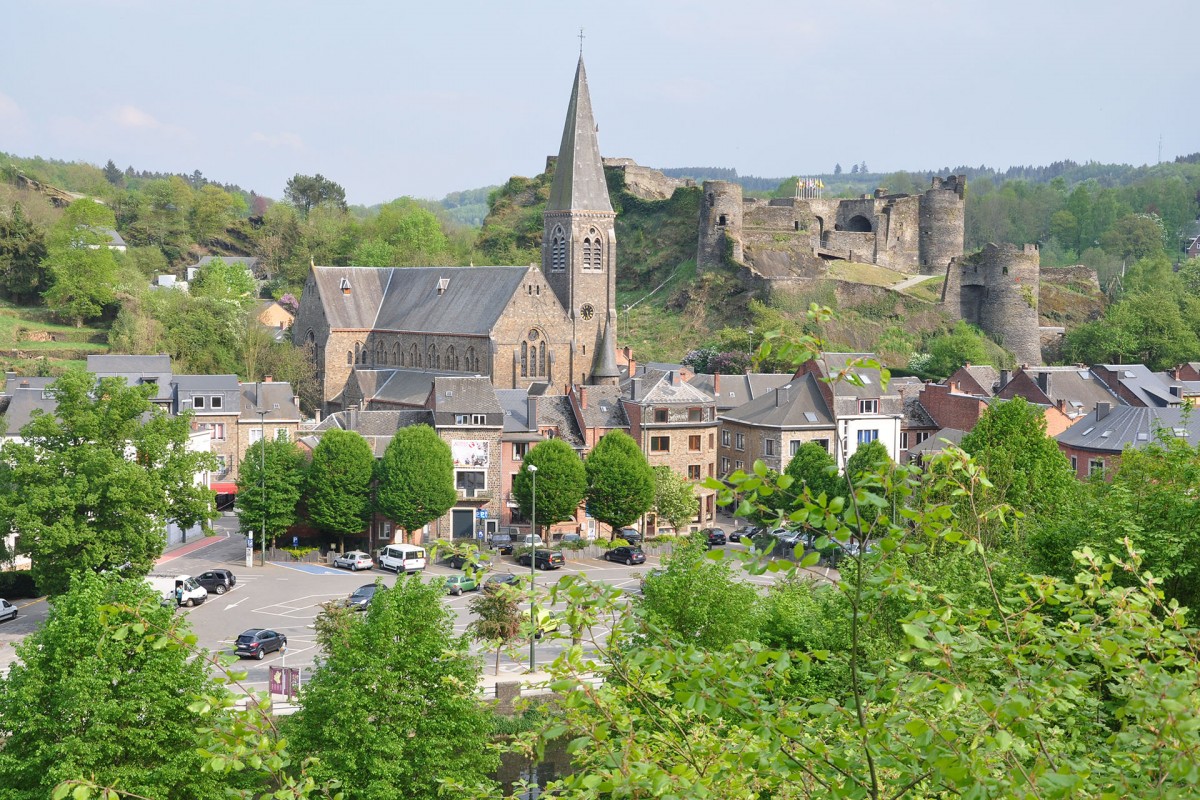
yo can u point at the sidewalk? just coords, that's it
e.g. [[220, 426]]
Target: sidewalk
[[177, 550]]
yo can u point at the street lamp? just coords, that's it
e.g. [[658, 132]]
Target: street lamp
[[532, 561], [262, 476]]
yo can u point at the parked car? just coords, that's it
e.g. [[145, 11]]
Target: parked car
[[630, 535], [502, 540], [354, 560], [498, 579], [217, 581], [257, 642], [360, 598], [628, 555], [569, 538], [7, 610], [475, 559], [716, 536], [542, 559], [747, 532], [457, 584], [407, 558]]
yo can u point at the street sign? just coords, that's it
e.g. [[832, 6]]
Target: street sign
[[481, 514]]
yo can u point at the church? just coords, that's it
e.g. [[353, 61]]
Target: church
[[539, 329]]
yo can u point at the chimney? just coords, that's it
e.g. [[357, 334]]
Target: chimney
[[1177, 373], [1176, 391], [1102, 410], [352, 418], [717, 384], [635, 387], [783, 395], [675, 377], [531, 411], [268, 378], [1062, 405], [583, 397], [1004, 378]]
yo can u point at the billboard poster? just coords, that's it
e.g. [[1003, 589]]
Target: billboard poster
[[469, 453]]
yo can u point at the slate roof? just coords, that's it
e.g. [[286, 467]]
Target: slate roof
[[1130, 426], [1149, 387], [249, 262], [1077, 387], [935, 443], [738, 389], [377, 427], [515, 403], [798, 404], [465, 395], [915, 414], [836, 362], [986, 376], [274, 397], [604, 408], [470, 302], [401, 387], [136, 370], [579, 182], [21, 407], [656, 387], [554, 411], [13, 381]]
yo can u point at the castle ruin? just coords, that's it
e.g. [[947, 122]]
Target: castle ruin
[[792, 237], [996, 289]]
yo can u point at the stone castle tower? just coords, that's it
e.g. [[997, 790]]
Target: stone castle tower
[[579, 243], [997, 289]]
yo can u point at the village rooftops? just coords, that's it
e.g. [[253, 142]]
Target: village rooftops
[[796, 405], [1110, 429], [732, 391]]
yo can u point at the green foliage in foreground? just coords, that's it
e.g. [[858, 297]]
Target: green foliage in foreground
[[561, 482]]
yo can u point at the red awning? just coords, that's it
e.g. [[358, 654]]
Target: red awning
[[223, 488]]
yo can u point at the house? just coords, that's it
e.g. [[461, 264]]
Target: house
[[1074, 391], [1136, 385], [978, 379], [864, 411], [731, 391], [1094, 444], [675, 424], [276, 317], [772, 427]]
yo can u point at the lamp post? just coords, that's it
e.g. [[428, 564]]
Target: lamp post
[[262, 476], [532, 574]]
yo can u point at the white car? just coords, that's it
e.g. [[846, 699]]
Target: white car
[[7, 610], [354, 560]]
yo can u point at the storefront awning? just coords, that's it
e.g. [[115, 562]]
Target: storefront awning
[[223, 488]]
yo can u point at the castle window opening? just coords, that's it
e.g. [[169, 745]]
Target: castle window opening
[[721, 220], [349, 356], [796, 225]]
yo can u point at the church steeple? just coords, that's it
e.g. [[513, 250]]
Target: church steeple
[[605, 371], [579, 241], [579, 183]]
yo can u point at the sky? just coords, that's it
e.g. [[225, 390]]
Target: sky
[[392, 98]]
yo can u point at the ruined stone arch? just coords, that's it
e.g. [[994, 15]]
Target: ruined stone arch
[[859, 224]]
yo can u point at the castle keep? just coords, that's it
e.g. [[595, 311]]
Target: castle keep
[[791, 237], [996, 290]]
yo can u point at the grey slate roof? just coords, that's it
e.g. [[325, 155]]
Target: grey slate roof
[[554, 411], [915, 415], [604, 408], [515, 403], [408, 299], [249, 262], [13, 381], [1133, 426], [274, 397], [1077, 387], [136, 370], [656, 387], [798, 404], [1147, 386], [377, 427], [21, 407], [465, 395], [986, 376], [606, 359], [836, 362], [738, 389], [938, 442], [579, 182], [401, 387]]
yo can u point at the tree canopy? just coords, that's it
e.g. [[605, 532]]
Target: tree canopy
[[561, 482], [415, 478], [269, 506], [675, 497], [338, 483], [620, 483], [93, 484], [306, 192]]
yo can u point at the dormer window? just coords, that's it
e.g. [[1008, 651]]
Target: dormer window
[[868, 406], [345, 285], [216, 401], [197, 402], [442, 284]]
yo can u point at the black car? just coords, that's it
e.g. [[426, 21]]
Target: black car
[[257, 642], [544, 559], [498, 579], [626, 555], [219, 581], [630, 535], [716, 536], [502, 540], [360, 598], [475, 559], [747, 532]]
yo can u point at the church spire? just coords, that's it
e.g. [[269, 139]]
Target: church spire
[[579, 183]]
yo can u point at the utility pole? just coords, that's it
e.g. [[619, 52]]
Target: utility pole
[[532, 574], [262, 476]]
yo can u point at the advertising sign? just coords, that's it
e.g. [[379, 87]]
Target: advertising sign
[[469, 453]]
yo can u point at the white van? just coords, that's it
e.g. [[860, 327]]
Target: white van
[[179, 589], [402, 558]]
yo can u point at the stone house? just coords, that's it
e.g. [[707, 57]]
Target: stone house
[[773, 426], [267, 408], [675, 424]]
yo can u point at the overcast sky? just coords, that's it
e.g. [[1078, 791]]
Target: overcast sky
[[412, 97]]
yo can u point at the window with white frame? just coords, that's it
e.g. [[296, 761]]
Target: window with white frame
[[1096, 466], [519, 450], [903, 440], [197, 402], [217, 429], [740, 441], [255, 435], [216, 401], [794, 447], [470, 482], [868, 406], [724, 465], [739, 465]]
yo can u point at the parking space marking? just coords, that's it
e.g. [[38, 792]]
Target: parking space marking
[[292, 609]]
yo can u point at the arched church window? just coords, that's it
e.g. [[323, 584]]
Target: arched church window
[[451, 358], [349, 356], [593, 252], [542, 359], [524, 359], [472, 365], [558, 251], [414, 359], [396, 354], [587, 252], [380, 354], [433, 359]]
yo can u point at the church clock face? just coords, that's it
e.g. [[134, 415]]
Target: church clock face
[[586, 311]]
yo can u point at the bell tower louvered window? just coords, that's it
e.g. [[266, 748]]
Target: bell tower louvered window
[[593, 252], [558, 251]]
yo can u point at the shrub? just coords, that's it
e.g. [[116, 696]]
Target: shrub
[[18, 583]]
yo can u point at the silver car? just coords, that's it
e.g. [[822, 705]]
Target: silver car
[[7, 610], [354, 560]]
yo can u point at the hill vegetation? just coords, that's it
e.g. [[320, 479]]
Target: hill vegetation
[[1108, 217]]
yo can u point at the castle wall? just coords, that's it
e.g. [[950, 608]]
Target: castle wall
[[858, 247], [646, 183], [997, 290]]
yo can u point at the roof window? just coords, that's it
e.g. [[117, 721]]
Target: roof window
[[810, 416], [1180, 433], [345, 286], [1089, 430], [442, 284]]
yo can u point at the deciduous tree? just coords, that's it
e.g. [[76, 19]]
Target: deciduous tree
[[561, 482], [620, 483], [416, 478], [338, 493], [82, 701], [269, 509], [409, 684], [92, 485], [306, 192], [675, 497]]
